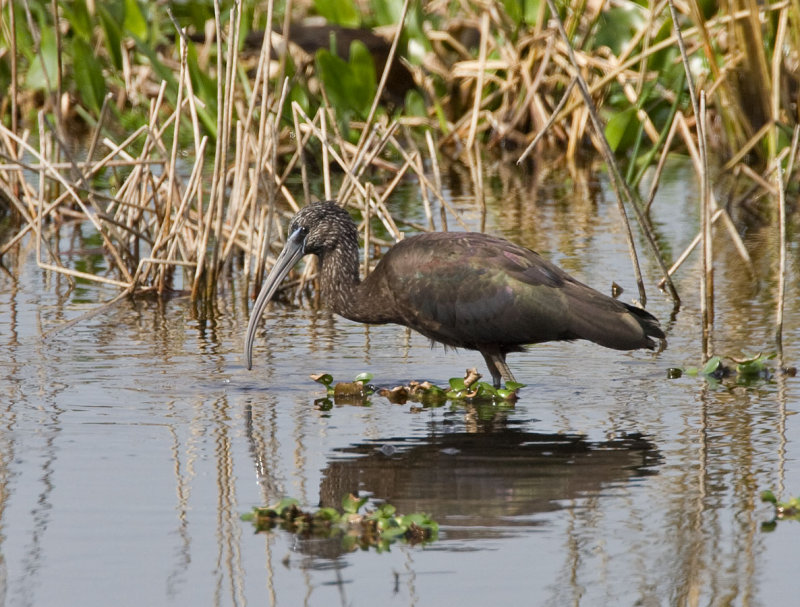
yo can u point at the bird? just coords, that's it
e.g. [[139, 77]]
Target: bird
[[462, 289]]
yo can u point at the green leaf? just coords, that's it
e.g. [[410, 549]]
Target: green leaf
[[363, 69], [113, 34], [768, 496], [514, 385], [282, 506], [77, 15], [134, 22], [88, 74], [326, 379], [530, 10], [457, 384], [38, 78], [328, 514], [205, 86], [340, 12], [711, 365], [350, 85], [484, 389], [618, 126], [351, 503], [415, 104], [617, 25], [363, 377]]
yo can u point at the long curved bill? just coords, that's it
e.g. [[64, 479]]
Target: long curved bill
[[292, 252]]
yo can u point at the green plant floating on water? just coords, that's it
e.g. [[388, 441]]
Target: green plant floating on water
[[378, 528], [743, 371], [468, 388], [789, 510], [356, 392]]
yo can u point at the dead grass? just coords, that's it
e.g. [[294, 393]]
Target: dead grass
[[179, 220]]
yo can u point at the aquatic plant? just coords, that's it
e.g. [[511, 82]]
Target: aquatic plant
[[744, 371], [461, 389], [784, 511], [377, 528]]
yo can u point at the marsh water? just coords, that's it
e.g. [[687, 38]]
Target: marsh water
[[132, 441]]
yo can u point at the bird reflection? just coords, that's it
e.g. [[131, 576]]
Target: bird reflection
[[481, 485]]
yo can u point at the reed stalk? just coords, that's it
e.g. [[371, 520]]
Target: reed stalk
[[518, 78]]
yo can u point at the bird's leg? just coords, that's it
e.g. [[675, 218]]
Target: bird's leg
[[497, 367]]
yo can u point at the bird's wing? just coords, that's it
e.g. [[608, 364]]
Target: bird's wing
[[471, 289]]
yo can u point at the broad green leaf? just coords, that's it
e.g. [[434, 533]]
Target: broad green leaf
[[205, 86], [363, 70], [113, 34], [617, 25], [415, 104], [351, 503], [618, 125], [327, 514], [484, 389], [88, 74], [768, 496], [530, 10], [38, 78], [77, 15], [340, 12], [282, 506], [326, 379], [335, 74], [363, 377], [457, 384], [350, 84], [711, 365], [135, 23]]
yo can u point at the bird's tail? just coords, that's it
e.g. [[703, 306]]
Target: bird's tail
[[612, 323], [650, 326]]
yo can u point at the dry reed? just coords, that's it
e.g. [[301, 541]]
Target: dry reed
[[176, 223]]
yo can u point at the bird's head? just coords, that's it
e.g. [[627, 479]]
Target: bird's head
[[321, 226], [316, 229]]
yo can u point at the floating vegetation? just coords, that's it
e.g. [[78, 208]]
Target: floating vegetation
[[742, 371], [461, 389], [788, 510], [378, 528]]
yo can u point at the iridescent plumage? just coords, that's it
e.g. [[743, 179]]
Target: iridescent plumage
[[465, 290]]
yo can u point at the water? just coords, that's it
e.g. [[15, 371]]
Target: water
[[131, 443]]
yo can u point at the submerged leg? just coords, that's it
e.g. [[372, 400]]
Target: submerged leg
[[497, 367]]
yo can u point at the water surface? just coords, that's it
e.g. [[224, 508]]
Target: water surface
[[131, 442]]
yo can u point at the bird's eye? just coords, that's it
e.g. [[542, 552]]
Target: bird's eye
[[302, 230]]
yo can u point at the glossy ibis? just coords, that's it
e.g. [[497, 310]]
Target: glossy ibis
[[464, 290]]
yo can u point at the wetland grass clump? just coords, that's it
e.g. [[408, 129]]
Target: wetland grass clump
[[378, 528], [461, 390], [190, 123]]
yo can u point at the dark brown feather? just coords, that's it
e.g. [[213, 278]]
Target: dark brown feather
[[467, 290]]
